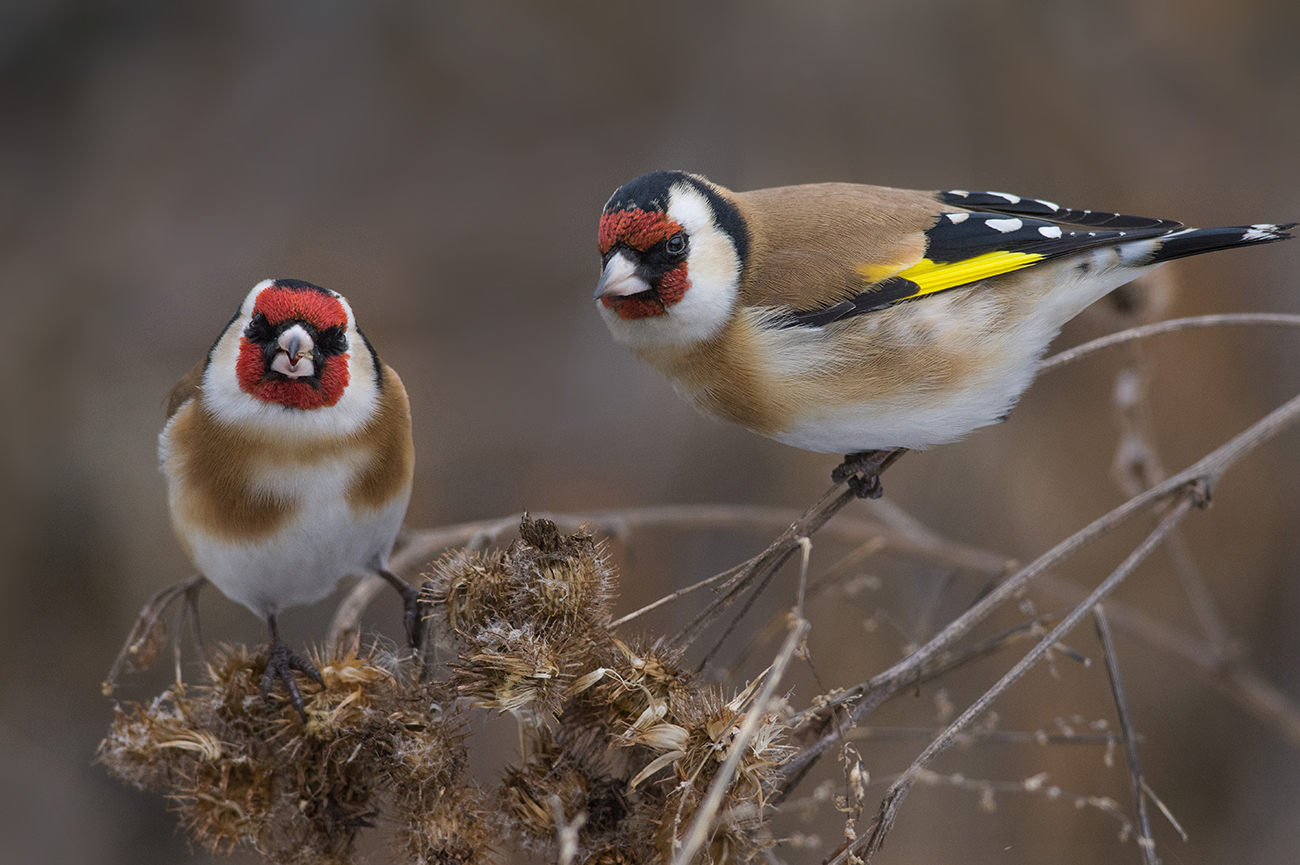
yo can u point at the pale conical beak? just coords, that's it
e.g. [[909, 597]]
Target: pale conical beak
[[294, 357], [620, 278]]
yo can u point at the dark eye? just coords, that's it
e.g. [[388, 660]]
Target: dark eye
[[676, 244], [331, 341], [259, 329]]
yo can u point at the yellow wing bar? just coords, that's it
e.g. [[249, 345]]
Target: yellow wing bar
[[931, 276]]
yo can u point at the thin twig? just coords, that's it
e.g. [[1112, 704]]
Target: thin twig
[[1138, 466], [770, 560], [1173, 325], [672, 596], [1232, 677], [702, 825], [141, 644], [1164, 809], [872, 840], [1019, 737], [1203, 475], [1145, 841]]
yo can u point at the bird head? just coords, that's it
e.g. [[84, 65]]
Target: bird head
[[292, 362], [293, 351], [672, 249]]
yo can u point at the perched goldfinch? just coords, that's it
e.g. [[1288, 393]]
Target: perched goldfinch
[[288, 459], [862, 320]]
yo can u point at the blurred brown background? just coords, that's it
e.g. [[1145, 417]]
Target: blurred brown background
[[443, 165]]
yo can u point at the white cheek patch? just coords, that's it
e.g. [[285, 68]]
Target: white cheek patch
[[713, 268], [229, 403]]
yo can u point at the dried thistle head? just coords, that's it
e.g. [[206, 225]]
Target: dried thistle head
[[623, 745], [247, 773], [544, 577], [571, 772], [636, 678], [515, 670], [531, 619], [692, 736], [563, 576]]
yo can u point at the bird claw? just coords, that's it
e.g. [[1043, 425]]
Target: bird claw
[[861, 471], [866, 486], [281, 663], [411, 618]]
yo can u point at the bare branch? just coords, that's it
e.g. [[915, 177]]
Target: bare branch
[[872, 841], [766, 563], [1249, 319], [1145, 841], [1202, 476]]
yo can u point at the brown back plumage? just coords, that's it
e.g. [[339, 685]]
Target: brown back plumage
[[815, 245]]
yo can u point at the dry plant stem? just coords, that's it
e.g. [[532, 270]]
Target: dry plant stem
[[1145, 841], [702, 826], [1249, 319], [1198, 595], [423, 545], [1169, 815], [669, 598], [739, 617], [1138, 466], [871, 842], [150, 614], [1019, 737], [814, 590], [1232, 678], [1204, 475], [770, 560]]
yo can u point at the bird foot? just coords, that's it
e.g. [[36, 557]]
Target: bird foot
[[411, 618], [862, 470], [281, 663]]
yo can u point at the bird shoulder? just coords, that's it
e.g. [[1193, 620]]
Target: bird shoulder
[[187, 388], [816, 245], [387, 436]]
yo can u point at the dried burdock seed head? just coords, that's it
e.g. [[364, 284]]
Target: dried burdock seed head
[[564, 576], [543, 578], [514, 669], [469, 589], [636, 680], [247, 773], [572, 771], [620, 741]]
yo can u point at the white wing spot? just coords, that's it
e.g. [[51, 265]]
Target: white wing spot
[[1046, 203], [957, 218], [1011, 199], [1051, 231], [1259, 232], [963, 193], [1006, 226]]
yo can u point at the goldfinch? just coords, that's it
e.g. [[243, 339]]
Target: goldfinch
[[288, 458], [862, 320]]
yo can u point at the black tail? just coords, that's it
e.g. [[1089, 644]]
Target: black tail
[[1194, 241]]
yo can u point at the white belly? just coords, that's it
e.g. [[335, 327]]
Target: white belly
[[940, 367], [304, 560]]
